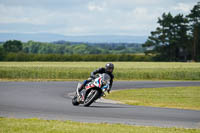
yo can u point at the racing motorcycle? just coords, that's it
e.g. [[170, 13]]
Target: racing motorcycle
[[92, 91]]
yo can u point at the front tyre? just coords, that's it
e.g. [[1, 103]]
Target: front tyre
[[91, 97], [74, 101]]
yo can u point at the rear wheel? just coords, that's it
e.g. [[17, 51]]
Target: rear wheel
[[91, 97]]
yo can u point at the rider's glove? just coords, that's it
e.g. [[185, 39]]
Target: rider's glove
[[93, 76]]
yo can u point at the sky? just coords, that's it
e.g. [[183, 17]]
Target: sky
[[87, 17]]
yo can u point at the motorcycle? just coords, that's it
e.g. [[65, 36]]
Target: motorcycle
[[92, 91]]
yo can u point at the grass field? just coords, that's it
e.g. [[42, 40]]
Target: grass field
[[172, 97], [11, 125], [81, 70]]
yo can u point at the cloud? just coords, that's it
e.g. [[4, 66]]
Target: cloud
[[20, 14], [78, 17], [96, 6], [182, 7]]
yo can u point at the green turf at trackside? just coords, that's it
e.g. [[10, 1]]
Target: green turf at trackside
[[171, 97], [82, 70], [11, 125]]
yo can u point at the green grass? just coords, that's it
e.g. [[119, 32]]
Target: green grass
[[172, 97], [11, 125], [82, 70]]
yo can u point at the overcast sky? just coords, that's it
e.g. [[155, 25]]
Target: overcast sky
[[87, 17]]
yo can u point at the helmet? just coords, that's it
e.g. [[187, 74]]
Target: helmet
[[109, 67]]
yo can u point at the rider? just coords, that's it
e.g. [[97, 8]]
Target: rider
[[109, 67]]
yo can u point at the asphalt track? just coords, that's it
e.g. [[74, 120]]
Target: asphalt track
[[50, 100]]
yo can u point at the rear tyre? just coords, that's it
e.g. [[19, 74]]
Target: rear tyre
[[74, 101], [91, 97]]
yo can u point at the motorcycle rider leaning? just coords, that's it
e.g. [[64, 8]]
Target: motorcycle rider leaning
[[109, 67]]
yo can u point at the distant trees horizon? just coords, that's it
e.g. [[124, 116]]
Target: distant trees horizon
[[66, 51], [72, 47]]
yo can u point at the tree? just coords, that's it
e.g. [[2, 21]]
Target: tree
[[169, 40], [12, 46], [194, 19], [2, 53]]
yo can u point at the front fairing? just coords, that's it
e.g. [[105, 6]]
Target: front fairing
[[101, 82], [98, 82], [90, 85]]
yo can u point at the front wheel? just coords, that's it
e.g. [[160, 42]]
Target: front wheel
[[91, 97], [74, 101]]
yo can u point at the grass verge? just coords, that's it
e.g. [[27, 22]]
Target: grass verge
[[11, 125], [82, 70], [171, 97]]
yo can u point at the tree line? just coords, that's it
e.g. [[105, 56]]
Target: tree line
[[71, 48], [14, 50], [177, 38]]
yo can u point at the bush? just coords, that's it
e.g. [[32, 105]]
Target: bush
[[75, 57]]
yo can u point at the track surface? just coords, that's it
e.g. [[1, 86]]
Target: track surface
[[50, 100]]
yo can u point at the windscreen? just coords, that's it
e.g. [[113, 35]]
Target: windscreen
[[105, 78]]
